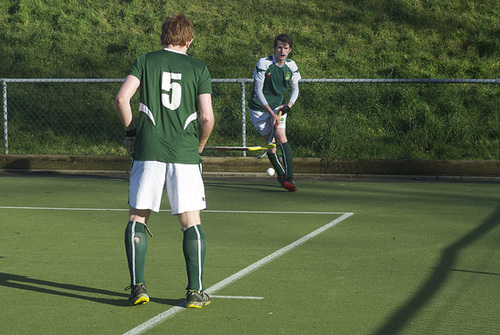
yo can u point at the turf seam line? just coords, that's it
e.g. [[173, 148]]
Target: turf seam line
[[168, 210], [63, 209], [223, 283]]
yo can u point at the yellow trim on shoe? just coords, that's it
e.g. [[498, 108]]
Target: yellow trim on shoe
[[139, 295], [197, 304], [140, 300]]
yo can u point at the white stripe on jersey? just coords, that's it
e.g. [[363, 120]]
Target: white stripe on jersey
[[143, 108], [190, 119]]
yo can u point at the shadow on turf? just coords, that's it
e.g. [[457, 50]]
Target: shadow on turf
[[438, 277], [248, 185], [73, 291]]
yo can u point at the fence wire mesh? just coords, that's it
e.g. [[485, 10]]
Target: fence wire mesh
[[347, 119]]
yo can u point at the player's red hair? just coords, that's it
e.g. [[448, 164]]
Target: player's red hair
[[177, 30]]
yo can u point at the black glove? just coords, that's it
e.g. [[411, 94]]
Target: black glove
[[131, 133], [130, 138], [285, 110]]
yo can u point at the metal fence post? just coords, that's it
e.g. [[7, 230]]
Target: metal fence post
[[5, 122], [243, 119]]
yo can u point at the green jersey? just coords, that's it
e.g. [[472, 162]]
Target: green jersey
[[167, 127], [275, 81]]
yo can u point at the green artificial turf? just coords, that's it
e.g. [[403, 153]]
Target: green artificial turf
[[414, 258]]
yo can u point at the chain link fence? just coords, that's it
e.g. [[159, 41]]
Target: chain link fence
[[333, 118]]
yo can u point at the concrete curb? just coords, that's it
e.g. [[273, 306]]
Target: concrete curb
[[75, 164]]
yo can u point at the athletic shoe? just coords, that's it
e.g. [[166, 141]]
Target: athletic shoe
[[139, 295], [290, 185], [282, 180], [197, 299]]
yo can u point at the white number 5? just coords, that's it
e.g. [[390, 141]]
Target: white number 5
[[172, 99]]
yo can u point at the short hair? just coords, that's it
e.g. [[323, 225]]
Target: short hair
[[177, 30], [285, 38]]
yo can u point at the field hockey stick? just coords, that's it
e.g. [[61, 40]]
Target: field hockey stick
[[270, 138], [256, 148]]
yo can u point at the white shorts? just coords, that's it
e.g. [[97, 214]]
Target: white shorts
[[262, 121], [183, 182]]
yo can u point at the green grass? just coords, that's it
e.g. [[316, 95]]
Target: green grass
[[415, 258], [333, 39]]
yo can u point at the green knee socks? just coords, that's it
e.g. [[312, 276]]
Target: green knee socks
[[136, 245], [275, 162], [194, 247], [287, 168]]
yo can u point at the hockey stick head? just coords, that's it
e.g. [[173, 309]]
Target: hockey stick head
[[269, 146], [265, 147], [256, 148]]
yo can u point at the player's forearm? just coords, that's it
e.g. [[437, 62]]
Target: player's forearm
[[125, 113], [207, 120], [122, 101], [259, 86], [294, 94], [269, 109], [204, 134]]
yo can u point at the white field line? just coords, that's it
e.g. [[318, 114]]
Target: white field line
[[223, 283], [236, 297]]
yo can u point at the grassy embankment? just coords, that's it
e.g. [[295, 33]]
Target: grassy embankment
[[338, 39]]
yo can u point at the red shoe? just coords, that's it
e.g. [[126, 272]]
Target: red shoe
[[290, 185]]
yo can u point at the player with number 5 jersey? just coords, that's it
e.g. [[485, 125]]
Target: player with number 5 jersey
[[167, 129], [174, 123]]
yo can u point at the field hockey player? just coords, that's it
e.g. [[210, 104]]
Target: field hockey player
[[168, 138], [273, 76]]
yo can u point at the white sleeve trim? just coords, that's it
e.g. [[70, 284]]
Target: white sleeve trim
[[259, 77], [143, 108], [295, 82], [190, 119]]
